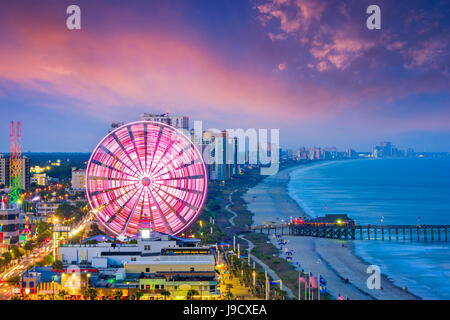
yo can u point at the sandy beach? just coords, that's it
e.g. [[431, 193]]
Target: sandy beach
[[333, 259]]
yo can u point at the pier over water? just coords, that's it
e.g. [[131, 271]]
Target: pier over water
[[357, 232]]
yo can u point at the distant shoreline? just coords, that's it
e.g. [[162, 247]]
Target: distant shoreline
[[334, 259]]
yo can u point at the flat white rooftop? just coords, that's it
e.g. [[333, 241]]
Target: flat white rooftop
[[178, 259]]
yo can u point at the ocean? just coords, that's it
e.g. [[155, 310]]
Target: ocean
[[388, 191]]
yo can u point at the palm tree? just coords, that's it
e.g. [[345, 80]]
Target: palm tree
[[91, 293], [13, 280], [118, 294], [29, 245], [138, 294], [165, 293], [62, 294], [191, 293], [7, 256], [57, 265]]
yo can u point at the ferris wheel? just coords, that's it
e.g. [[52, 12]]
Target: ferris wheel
[[146, 174]]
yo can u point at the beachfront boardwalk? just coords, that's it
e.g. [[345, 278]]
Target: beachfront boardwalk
[[358, 232]]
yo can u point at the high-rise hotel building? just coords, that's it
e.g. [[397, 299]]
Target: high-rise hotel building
[[24, 166], [179, 122]]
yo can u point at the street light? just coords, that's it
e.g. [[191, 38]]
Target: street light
[[88, 279], [254, 278], [128, 289]]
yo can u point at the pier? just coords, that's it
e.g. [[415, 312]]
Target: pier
[[358, 232]]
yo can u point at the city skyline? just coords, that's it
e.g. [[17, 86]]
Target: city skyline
[[305, 67]]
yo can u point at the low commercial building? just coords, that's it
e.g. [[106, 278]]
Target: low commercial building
[[75, 280], [39, 281], [108, 254], [46, 208], [175, 276], [40, 179], [179, 287], [167, 263]]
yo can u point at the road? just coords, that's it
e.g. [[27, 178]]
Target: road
[[250, 247], [16, 270], [227, 207], [237, 289], [272, 273], [37, 255]]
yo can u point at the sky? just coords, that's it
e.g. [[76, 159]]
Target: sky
[[307, 67]]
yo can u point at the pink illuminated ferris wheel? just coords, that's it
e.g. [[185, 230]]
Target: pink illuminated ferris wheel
[[146, 174]]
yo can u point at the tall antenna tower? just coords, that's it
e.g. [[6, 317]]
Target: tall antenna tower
[[19, 155], [15, 163], [12, 154]]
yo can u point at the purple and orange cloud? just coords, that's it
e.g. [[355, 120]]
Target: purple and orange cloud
[[292, 62]]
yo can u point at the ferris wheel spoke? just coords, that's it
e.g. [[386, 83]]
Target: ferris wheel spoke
[[111, 201], [152, 219], [114, 215], [104, 165], [130, 133], [184, 189], [183, 178], [145, 146], [187, 204], [161, 129], [175, 168], [125, 227], [163, 155], [142, 216], [153, 175], [182, 152], [166, 164], [107, 151], [172, 208], [124, 150], [179, 155], [107, 178], [161, 214], [98, 192]]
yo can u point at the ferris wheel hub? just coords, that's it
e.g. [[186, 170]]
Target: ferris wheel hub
[[146, 181]]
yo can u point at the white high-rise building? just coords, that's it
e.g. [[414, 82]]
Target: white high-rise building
[[40, 179], [179, 122], [78, 179]]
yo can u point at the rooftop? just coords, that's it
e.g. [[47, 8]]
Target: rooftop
[[176, 259]]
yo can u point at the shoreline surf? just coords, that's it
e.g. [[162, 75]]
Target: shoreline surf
[[270, 200]]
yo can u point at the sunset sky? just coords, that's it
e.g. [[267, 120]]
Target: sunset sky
[[308, 67]]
